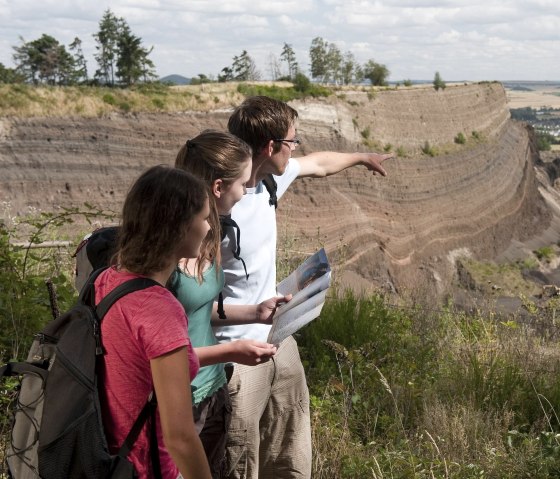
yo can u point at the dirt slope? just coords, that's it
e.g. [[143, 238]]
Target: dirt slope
[[403, 231]]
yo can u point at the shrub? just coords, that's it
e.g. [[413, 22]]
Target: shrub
[[460, 139], [365, 133], [438, 82], [429, 150], [158, 103], [407, 82], [546, 253], [282, 93], [301, 83], [109, 99]]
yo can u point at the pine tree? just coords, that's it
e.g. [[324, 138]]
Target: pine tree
[[107, 38], [288, 55]]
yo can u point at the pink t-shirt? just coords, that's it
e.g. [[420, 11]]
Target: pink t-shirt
[[139, 327]]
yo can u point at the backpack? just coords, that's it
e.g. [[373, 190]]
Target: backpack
[[58, 431], [94, 252]]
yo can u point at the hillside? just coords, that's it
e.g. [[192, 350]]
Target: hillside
[[483, 198]]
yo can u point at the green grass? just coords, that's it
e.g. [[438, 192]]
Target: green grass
[[406, 392]]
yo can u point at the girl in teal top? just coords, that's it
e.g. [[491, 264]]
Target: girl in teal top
[[223, 161]]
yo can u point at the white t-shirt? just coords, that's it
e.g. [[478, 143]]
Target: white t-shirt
[[256, 219]]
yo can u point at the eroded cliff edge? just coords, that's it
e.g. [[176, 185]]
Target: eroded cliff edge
[[402, 232]]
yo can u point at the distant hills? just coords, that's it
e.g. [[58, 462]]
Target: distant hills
[[176, 80]]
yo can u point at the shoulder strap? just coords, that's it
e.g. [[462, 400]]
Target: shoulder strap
[[270, 184], [148, 411], [130, 286], [226, 221]]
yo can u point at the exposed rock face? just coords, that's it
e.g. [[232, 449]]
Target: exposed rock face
[[397, 231]]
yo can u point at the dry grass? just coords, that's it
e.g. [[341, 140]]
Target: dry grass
[[28, 101]]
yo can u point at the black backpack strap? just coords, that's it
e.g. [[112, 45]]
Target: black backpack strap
[[148, 411], [226, 221], [270, 184], [87, 293], [221, 311], [123, 289], [17, 369]]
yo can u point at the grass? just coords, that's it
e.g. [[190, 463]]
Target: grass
[[397, 390], [87, 101], [405, 392]]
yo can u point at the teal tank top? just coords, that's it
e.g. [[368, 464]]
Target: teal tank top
[[198, 299]]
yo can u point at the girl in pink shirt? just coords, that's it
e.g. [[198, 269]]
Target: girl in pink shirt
[[145, 333]]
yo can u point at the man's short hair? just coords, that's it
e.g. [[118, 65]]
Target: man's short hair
[[260, 119]]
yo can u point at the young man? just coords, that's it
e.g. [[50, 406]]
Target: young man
[[270, 433]]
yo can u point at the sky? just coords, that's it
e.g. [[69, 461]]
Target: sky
[[472, 40]]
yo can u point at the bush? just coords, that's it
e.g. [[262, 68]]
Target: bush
[[282, 93], [460, 139], [401, 389], [109, 99], [365, 133], [301, 83], [545, 253], [429, 150], [438, 82]]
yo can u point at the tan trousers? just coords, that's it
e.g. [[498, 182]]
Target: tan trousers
[[270, 431]]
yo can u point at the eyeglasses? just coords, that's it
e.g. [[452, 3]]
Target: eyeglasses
[[291, 143]]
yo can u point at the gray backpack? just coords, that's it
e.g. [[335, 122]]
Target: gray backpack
[[58, 431]]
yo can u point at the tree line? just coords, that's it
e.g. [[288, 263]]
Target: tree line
[[328, 65], [121, 58]]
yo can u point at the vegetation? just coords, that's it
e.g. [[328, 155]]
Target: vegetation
[[120, 54], [438, 82], [396, 390], [545, 253], [302, 88], [243, 68], [407, 392], [460, 139], [428, 149], [330, 65]]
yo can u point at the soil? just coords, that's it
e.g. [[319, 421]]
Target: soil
[[493, 198]]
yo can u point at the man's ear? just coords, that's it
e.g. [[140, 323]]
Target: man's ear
[[217, 187], [269, 148]]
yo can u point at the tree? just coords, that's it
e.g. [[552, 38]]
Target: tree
[[10, 75], [201, 78], [376, 73], [288, 55], [133, 63], [301, 83], [242, 69], [44, 60], [274, 67], [318, 56], [226, 75], [107, 38], [351, 71], [333, 64], [438, 82], [80, 72]]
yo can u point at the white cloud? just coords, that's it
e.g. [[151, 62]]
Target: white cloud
[[494, 39]]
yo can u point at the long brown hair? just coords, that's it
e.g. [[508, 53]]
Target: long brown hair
[[210, 156], [156, 214]]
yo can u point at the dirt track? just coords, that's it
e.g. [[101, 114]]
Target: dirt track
[[480, 197]]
